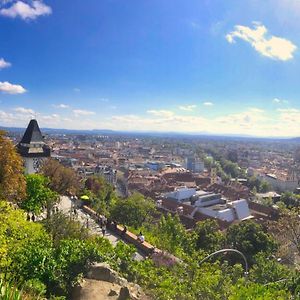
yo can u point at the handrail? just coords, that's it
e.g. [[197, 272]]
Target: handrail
[[228, 250]]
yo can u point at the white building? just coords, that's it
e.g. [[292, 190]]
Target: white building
[[231, 211]]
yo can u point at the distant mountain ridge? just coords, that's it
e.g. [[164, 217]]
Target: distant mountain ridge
[[203, 135]]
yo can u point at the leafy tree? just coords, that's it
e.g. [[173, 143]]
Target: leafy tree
[[264, 187], [250, 238], [208, 236], [171, 235], [267, 269], [290, 199], [133, 211], [12, 181], [61, 226], [63, 180], [39, 196], [257, 291], [287, 232], [101, 193]]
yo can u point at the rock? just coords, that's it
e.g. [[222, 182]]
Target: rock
[[103, 283], [124, 293], [102, 271], [112, 293]]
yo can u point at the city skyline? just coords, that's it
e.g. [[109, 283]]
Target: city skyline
[[202, 66]]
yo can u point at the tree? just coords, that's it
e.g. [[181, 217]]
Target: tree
[[61, 226], [12, 180], [208, 236], [39, 195], [62, 180], [257, 291], [267, 269], [287, 232], [250, 238], [133, 211], [101, 193], [264, 186], [172, 236], [290, 199]]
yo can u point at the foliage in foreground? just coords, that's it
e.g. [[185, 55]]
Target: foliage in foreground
[[51, 262]]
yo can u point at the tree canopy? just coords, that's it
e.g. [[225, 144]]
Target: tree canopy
[[12, 181], [133, 211]]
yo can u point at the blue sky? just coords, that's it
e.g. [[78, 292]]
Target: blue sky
[[188, 66]]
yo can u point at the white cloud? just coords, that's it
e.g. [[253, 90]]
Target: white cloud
[[26, 11], [61, 106], [280, 101], [4, 64], [161, 113], [288, 110], [187, 107], [23, 110], [9, 88], [268, 45], [81, 112], [208, 103]]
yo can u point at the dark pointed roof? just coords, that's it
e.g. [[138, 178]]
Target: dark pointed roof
[[32, 133], [32, 143]]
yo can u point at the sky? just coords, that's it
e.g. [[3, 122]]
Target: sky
[[195, 66]]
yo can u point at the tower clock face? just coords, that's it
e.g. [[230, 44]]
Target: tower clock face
[[36, 164]]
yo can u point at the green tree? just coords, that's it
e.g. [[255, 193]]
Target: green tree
[[61, 226], [172, 236], [267, 269], [39, 195], [101, 193], [208, 236], [264, 186], [12, 180], [257, 291], [250, 238], [133, 211]]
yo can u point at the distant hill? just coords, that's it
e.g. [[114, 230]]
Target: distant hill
[[200, 135]]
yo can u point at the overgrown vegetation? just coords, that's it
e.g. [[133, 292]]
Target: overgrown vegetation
[[48, 258]]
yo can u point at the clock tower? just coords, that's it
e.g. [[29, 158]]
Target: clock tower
[[33, 148]]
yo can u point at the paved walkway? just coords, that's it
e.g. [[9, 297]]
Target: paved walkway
[[66, 205]]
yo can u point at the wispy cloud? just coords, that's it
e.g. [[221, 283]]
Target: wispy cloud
[[4, 64], [23, 110], [208, 103], [81, 112], [280, 101], [267, 45], [187, 107], [9, 88], [64, 106], [25, 10], [160, 113]]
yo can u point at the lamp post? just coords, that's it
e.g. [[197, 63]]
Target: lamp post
[[224, 251]]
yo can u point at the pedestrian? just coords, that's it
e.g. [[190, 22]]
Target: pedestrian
[[141, 237], [87, 222], [124, 231], [103, 230]]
